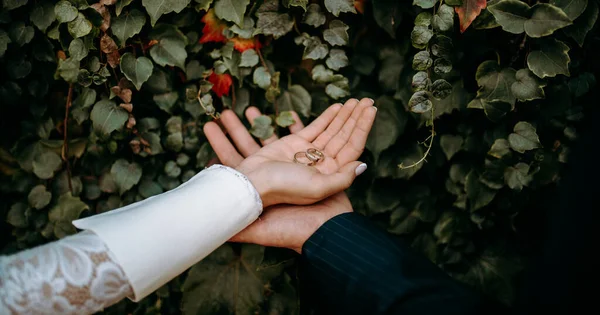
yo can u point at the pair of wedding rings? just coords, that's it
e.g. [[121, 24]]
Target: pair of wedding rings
[[312, 155]]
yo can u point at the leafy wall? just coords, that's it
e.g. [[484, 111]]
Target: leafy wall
[[103, 103]]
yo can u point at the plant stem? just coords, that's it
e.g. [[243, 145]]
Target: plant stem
[[65, 147], [401, 166]]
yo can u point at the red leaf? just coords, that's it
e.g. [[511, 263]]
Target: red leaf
[[243, 44], [213, 28], [468, 11], [221, 83]]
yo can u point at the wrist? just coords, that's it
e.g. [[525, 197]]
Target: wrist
[[263, 188]]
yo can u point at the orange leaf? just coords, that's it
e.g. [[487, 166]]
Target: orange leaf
[[243, 44], [213, 28], [468, 11], [360, 6], [221, 83]]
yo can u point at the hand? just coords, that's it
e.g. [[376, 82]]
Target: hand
[[340, 133], [284, 226]]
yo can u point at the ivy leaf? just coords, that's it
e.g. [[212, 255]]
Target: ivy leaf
[[43, 15], [387, 127], [314, 48], [20, 33], [68, 69], [261, 77], [582, 84], [524, 137], [579, 30], [39, 197], [274, 23], [496, 109], [337, 59], [443, 20], [77, 49], [13, 4], [420, 103], [500, 148], [422, 61], [392, 63], [420, 81], [440, 89], [442, 66], [121, 4], [314, 15], [285, 119], [425, 4], [573, 8], [127, 25], [495, 82], [339, 6], [16, 215], [166, 101], [424, 19], [262, 127], [235, 281], [441, 46], [67, 209], [80, 26], [156, 8], [249, 58], [545, 19], [451, 144], [517, 176], [107, 117], [194, 70], [247, 30], [4, 41], [169, 52], [136, 70], [527, 86], [468, 11], [479, 195], [320, 74], [125, 174], [296, 98], [388, 15], [337, 34], [231, 10], [511, 15], [45, 164], [551, 59], [221, 83], [420, 36], [338, 88], [65, 11]]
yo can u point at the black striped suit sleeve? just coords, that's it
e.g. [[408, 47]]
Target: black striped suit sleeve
[[350, 266]]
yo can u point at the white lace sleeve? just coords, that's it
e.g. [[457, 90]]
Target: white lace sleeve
[[75, 275]]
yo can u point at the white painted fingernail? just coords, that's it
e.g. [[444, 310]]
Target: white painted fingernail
[[372, 101], [361, 169]]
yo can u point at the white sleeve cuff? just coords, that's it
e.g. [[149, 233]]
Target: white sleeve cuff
[[158, 238]]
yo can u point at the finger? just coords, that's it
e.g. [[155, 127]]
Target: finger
[[318, 125], [221, 145], [251, 114], [356, 143], [297, 125], [238, 133], [328, 185], [336, 125], [341, 138]]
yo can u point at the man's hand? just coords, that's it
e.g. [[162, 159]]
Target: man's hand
[[282, 225], [340, 133]]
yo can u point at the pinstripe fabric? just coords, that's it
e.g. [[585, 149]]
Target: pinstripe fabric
[[350, 266]]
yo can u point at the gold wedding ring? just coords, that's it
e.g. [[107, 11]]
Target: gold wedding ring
[[312, 155]]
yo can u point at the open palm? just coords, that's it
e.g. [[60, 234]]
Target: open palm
[[340, 133]]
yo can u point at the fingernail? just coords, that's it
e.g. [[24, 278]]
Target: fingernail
[[372, 101], [361, 169], [375, 108]]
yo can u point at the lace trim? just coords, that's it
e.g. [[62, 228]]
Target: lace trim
[[75, 275]]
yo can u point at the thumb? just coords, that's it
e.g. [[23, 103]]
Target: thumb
[[336, 182]]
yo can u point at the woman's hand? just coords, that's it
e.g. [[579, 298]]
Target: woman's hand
[[340, 133], [284, 226]]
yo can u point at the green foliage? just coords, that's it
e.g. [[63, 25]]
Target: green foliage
[[478, 104]]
